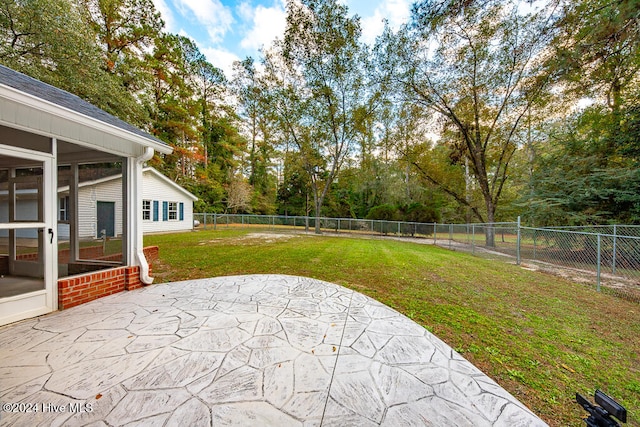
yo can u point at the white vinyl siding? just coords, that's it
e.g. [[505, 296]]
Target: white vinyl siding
[[158, 190], [88, 196]]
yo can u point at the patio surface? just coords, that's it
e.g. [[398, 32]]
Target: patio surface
[[253, 350]]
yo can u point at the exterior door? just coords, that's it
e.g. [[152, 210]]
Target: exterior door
[[106, 219], [28, 270]]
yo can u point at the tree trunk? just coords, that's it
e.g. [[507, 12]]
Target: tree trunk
[[318, 205], [467, 187], [490, 231], [306, 212]]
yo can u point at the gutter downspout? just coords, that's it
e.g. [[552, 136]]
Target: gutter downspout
[[142, 260]]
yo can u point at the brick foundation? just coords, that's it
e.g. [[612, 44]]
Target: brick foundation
[[76, 290]]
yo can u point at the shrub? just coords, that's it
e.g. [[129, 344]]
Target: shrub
[[384, 212], [417, 212]]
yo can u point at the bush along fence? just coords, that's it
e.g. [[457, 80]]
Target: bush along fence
[[607, 256]]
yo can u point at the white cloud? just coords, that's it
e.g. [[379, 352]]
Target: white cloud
[[266, 23], [396, 12], [221, 58], [245, 11], [211, 13]]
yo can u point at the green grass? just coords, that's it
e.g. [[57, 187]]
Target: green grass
[[541, 337]]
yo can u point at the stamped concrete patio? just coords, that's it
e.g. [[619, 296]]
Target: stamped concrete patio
[[248, 351]]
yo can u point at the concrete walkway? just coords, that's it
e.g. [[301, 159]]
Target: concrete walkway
[[246, 351]]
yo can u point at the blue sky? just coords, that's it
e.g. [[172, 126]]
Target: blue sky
[[226, 30]]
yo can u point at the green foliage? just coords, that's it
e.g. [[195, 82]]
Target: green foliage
[[414, 212], [49, 40], [417, 212], [590, 173], [255, 110], [123, 28], [597, 48], [318, 86], [384, 212], [481, 76], [210, 196], [263, 204], [467, 112], [294, 193]]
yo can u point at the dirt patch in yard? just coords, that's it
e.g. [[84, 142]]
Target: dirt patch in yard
[[251, 238], [618, 286]]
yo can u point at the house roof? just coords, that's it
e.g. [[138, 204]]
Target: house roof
[[34, 106], [147, 170], [152, 171]]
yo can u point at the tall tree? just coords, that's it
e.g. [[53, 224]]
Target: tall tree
[[261, 128], [318, 76], [588, 171], [49, 40], [480, 68], [210, 85], [294, 193], [597, 48], [125, 29], [172, 103]]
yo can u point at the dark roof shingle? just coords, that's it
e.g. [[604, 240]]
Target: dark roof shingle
[[65, 99]]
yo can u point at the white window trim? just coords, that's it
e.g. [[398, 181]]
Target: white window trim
[[175, 211], [63, 207], [148, 210]]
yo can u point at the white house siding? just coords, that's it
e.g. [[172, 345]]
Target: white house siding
[[155, 188], [63, 231], [160, 189], [26, 209], [88, 198]]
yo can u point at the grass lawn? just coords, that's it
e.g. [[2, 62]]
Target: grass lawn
[[539, 336]]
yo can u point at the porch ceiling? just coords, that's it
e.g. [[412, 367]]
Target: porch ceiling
[[67, 153]]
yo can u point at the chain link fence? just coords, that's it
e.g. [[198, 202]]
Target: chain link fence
[[606, 256], [337, 225], [609, 259]]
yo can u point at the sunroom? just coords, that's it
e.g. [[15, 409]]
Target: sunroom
[[50, 139]]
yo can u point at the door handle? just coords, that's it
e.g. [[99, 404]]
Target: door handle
[[51, 233]]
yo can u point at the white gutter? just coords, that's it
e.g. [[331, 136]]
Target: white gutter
[[142, 260]]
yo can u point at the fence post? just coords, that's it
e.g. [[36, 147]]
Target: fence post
[[613, 257], [473, 238], [518, 244], [435, 233], [215, 220], [205, 221], [599, 258], [398, 228]]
